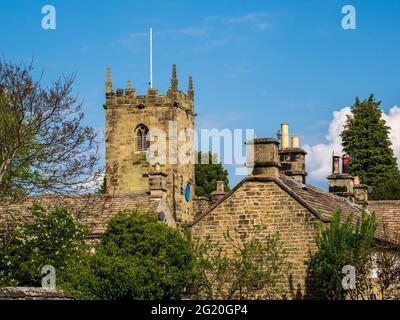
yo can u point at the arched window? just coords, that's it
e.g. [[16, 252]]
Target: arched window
[[142, 142]]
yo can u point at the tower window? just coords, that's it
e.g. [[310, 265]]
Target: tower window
[[142, 142]]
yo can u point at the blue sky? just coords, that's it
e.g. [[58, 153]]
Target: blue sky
[[255, 64]]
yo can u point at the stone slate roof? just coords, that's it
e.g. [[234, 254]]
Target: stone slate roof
[[387, 214], [319, 202], [93, 211]]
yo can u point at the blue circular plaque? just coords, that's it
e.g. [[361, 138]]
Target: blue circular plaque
[[187, 192]]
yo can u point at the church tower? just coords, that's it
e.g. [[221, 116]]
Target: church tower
[[150, 144]]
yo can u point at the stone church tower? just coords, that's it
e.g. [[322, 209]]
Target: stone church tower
[[137, 127]]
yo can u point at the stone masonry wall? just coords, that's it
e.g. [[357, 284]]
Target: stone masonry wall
[[266, 204], [126, 167]]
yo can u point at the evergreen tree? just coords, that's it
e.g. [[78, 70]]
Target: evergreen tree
[[366, 139], [387, 190], [207, 174]]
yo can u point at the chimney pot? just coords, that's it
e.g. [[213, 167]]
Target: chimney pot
[[345, 164], [295, 142], [335, 165], [284, 136], [220, 186]]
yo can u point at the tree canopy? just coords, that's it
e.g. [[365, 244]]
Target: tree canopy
[[345, 242], [366, 139], [138, 258], [207, 174], [53, 237], [44, 148]]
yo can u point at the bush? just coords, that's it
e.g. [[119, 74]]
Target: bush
[[138, 258], [53, 237], [252, 268], [343, 243]]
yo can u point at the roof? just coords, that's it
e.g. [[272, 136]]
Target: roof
[[319, 202], [93, 211], [387, 214]]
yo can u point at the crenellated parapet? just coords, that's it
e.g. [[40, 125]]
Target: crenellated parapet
[[128, 98]]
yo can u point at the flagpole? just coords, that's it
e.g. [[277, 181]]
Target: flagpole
[[151, 57]]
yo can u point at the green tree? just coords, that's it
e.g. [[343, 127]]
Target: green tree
[[17, 170], [53, 237], [208, 170], [366, 139], [244, 269], [138, 258], [44, 148], [344, 242], [387, 190]]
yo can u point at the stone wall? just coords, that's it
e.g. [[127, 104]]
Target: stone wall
[[127, 167], [25, 293], [266, 205], [200, 205]]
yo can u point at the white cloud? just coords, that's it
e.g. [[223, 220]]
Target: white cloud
[[319, 156], [393, 121], [257, 19], [93, 184], [130, 38]]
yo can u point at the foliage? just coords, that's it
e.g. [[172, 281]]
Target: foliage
[[102, 188], [138, 258], [207, 173], [243, 270], [53, 237], [43, 145], [387, 190], [344, 242], [366, 139], [387, 263]]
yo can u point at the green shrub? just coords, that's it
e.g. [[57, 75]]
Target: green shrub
[[138, 258], [53, 237]]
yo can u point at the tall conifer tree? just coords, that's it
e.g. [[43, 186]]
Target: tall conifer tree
[[366, 139]]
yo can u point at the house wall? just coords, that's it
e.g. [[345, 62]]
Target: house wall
[[266, 205]]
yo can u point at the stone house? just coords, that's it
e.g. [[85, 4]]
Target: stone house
[[277, 202]]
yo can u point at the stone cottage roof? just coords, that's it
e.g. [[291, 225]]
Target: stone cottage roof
[[319, 202], [387, 214], [93, 211]]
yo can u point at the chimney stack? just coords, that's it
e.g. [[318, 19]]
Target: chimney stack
[[292, 158], [360, 192], [266, 157], [157, 182], [284, 136], [341, 184], [219, 193]]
